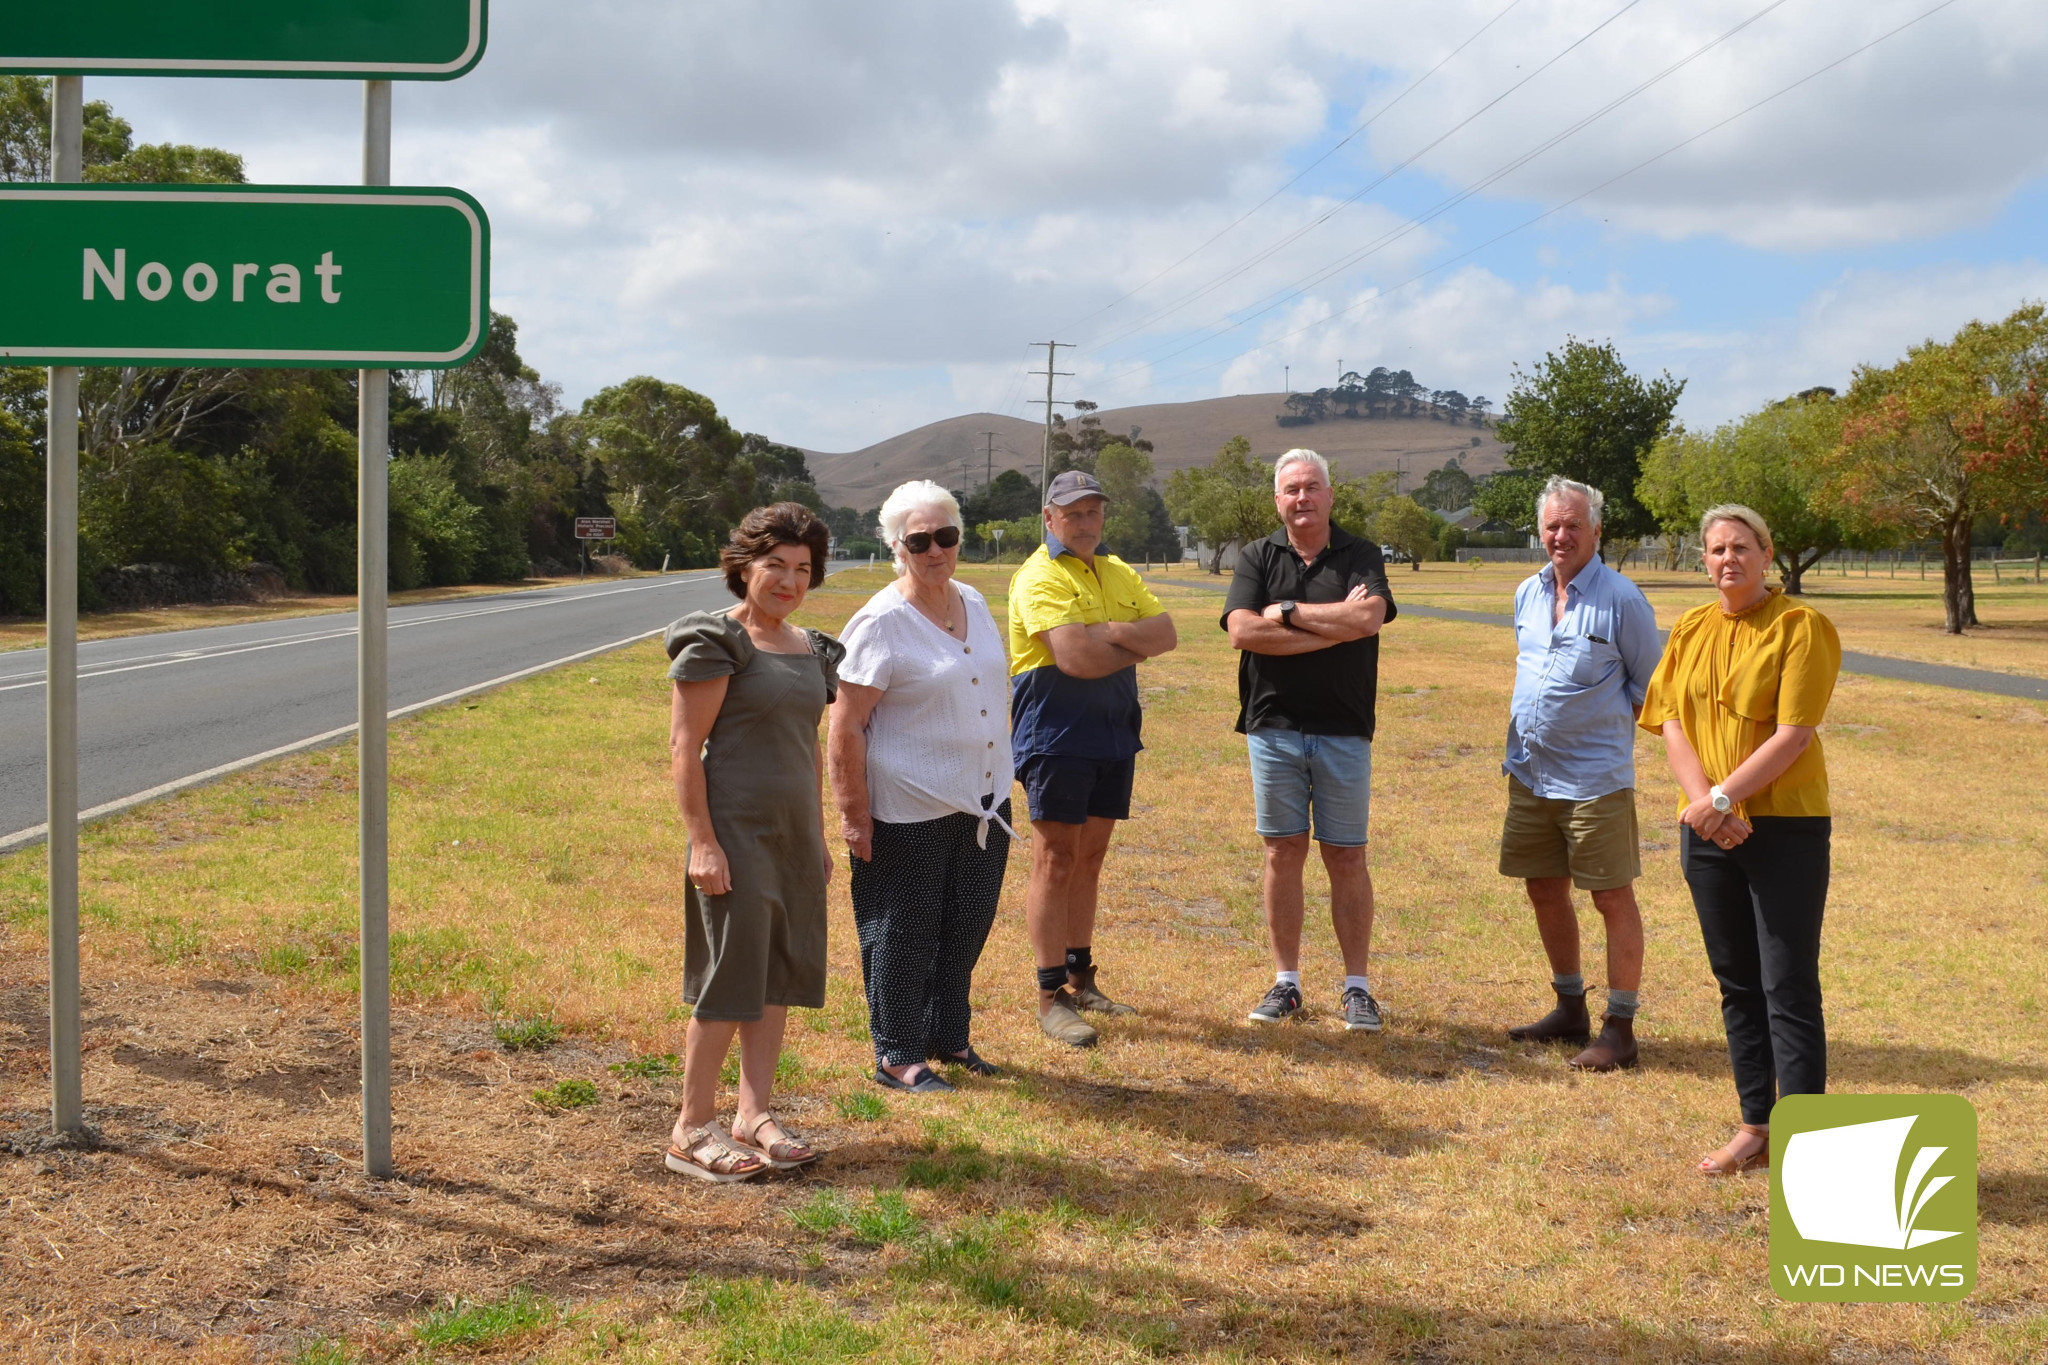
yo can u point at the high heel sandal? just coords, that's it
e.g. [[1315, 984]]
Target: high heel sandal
[[1759, 1160]]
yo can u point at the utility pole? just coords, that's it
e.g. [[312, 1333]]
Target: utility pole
[[990, 476], [1398, 471], [1051, 370]]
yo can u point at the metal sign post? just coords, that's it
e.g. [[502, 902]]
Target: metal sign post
[[373, 528], [60, 615]]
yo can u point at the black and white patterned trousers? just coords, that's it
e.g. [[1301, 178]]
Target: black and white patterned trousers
[[923, 907]]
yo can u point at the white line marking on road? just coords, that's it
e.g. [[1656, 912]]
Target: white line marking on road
[[36, 834], [136, 663]]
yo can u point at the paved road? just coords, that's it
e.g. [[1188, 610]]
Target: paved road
[[156, 709]]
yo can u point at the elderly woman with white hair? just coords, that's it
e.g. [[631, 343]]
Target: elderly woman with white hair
[[1743, 685], [921, 771]]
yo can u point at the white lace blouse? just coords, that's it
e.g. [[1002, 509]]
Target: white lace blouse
[[939, 739]]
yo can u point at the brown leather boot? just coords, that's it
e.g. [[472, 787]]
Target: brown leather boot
[[1568, 1023], [1087, 997], [1613, 1050]]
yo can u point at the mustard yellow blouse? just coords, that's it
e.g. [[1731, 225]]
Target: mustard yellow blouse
[[1730, 681]]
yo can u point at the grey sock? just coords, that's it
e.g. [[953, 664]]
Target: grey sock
[[1622, 1004], [1575, 984]]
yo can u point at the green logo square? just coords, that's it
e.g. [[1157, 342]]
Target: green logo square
[[1873, 1198]]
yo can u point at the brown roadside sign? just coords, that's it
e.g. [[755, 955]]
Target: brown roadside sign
[[597, 528]]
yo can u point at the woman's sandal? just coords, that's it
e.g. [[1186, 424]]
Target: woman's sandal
[[1717, 1163], [707, 1154], [785, 1153]]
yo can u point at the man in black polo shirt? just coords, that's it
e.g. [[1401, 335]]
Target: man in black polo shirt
[[1306, 607]]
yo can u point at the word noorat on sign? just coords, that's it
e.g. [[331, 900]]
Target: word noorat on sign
[[202, 281], [242, 275], [356, 39]]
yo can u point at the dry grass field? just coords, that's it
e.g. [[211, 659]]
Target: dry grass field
[[1189, 1190]]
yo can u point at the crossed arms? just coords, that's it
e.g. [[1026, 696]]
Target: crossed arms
[[1097, 651], [1317, 625]]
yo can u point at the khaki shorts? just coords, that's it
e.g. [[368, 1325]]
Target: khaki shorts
[[1592, 842]]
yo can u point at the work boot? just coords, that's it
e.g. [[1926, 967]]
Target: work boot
[[1086, 997], [1613, 1050], [1568, 1023], [1059, 1022]]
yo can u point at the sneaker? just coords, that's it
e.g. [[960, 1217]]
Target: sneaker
[[1361, 1011], [1282, 1002]]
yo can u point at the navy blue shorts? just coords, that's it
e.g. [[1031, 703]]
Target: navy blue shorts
[[1067, 790]]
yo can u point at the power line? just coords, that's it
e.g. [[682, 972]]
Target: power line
[[1270, 250], [1335, 147], [1324, 273], [1560, 207]]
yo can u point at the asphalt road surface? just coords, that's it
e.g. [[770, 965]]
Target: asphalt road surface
[[155, 710]]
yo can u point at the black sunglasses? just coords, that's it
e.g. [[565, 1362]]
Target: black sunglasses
[[917, 542]]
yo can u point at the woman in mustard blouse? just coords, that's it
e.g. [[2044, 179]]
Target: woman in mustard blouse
[[1737, 696]]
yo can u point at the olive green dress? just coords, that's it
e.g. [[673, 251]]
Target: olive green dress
[[763, 942]]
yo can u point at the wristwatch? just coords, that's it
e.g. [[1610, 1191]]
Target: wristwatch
[[1287, 614], [1720, 799]]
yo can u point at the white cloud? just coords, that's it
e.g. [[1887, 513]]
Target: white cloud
[[841, 220]]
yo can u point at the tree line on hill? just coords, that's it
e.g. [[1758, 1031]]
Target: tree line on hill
[[1381, 392], [190, 478]]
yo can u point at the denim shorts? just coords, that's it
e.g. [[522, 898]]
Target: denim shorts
[[1297, 776]]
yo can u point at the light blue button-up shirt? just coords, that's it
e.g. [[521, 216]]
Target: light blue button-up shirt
[[1578, 680]]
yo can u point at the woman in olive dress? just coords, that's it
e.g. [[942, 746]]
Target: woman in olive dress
[[743, 735]]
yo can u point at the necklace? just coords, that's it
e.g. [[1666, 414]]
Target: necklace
[[943, 621]]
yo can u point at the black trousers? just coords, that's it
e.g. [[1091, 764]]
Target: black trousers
[[923, 906], [1760, 905]]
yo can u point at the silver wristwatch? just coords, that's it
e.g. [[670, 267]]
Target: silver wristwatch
[[1720, 799]]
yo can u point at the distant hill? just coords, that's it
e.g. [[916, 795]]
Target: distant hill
[[951, 451]]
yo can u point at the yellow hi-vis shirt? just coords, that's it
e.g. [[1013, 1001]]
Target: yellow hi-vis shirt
[[1050, 712]]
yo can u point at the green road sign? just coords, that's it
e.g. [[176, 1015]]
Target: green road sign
[[242, 275], [419, 40]]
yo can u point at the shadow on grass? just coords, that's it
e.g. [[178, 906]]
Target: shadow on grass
[[2016, 1199], [1223, 1115]]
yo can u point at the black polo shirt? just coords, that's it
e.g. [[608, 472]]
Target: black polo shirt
[[1329, 691]]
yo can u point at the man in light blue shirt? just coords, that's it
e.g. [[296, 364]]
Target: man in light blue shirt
[[1586, 643]]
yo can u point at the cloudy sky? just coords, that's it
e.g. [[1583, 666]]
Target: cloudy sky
[[842, 221]]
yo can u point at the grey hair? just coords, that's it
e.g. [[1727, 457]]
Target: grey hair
[[1748, 516], [916, 496], [1559, 484], [1299, 456]]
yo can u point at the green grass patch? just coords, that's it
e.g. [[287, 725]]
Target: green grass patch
[[864, 1106], [324, 1351], [755, 1324], [171, 940], [825, 1212], [464, 1323], [286, 959], [885, 1218], [566, 1095], [653, 1067], [532, 1034], [959, 1163]]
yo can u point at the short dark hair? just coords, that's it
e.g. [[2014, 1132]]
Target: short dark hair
[[764, 528]]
